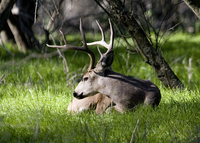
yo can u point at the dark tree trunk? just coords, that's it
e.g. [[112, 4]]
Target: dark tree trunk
[[194, 5], [121, 15], [5, 10], [20, 23], [25, 19], [7, 35], [19, 37]]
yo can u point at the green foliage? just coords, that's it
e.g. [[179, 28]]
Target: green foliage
[[34, 99]]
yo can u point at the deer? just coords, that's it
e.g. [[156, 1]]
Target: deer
[[124, 91]]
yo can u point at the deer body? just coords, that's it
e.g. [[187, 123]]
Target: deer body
[[126, 92]]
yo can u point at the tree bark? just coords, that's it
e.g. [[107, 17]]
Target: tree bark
[[194, 5], [18, 36], [25, 21], [121, 15], [20, 23], [5, 10]]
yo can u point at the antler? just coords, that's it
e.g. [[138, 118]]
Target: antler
[[84, 48], [108, 55]]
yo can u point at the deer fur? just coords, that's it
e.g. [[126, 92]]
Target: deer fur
[[99, 102], [125, 92]]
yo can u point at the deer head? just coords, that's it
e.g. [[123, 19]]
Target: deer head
[[87, 85]]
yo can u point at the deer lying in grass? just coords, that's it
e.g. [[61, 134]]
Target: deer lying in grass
[[126, 92], [99, 102]]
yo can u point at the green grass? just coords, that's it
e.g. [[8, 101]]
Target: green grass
[[34, 99]]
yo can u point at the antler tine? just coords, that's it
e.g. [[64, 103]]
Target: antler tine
[[111, 35], [63, 36], [89, 52], [83, 35], [102, 42], [60, 47], [102, 32], [84, 48]]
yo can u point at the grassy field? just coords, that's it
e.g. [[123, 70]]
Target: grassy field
[[34, 97]]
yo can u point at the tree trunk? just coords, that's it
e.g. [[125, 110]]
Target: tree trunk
[[121, 15], [18, 36], [25, 20], [194, 5], [5, 10], [20, 23]]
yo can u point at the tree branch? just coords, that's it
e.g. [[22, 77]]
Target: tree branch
[[194, 5], [121, 15]]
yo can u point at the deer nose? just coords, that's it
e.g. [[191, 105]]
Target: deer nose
[[75, 94]]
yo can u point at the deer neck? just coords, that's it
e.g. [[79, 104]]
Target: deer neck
[[108, 83]]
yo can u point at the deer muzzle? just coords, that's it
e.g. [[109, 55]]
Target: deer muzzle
[[75, 94]]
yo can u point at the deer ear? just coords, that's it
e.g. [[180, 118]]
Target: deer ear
[[104, 63], [108, 60]]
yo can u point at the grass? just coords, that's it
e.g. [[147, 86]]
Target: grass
[[34, 99]]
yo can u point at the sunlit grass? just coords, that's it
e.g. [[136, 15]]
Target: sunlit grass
[[42, 116], [34, 99]]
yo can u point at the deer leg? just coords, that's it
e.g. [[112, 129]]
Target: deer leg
[[153, 99], [115, 107], [104, 103]]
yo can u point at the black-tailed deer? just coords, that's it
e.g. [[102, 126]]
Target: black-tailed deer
[[126, 92]]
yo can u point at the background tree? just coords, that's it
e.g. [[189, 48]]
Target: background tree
[[5, 8], [20, 21], [138, 18], [122, 16], [194, 5], [18, 18]]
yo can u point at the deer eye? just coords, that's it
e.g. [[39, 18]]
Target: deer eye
[[85, 78]]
